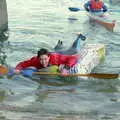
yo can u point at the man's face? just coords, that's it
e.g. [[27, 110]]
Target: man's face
[[44, 60]]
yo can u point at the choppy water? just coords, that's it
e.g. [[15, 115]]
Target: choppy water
[[37, 23]]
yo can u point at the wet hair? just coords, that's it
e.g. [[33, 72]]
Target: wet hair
[[42, 51]]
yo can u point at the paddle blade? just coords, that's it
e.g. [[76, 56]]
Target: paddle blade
[[74, 9], [3, 70], [103, 75]]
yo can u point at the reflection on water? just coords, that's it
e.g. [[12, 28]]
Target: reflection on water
[[2, 95]]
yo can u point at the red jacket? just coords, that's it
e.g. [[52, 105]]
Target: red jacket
[[55, 59], [96, 5]]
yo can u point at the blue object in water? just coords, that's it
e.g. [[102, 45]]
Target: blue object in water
[[28, 72], [11, 72]]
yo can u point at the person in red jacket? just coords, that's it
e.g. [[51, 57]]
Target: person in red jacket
[[63, 59], [45, 59], [95, 6]]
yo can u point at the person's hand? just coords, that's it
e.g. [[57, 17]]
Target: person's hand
[[13, 71], [61, 67], [64, 72], [16, 71], [104, 10]]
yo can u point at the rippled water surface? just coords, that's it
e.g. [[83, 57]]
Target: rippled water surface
[[34, 24]]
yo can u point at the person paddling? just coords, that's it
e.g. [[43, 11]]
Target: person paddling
[[95, 6], [63, 59], [45, 59], [58, 61]]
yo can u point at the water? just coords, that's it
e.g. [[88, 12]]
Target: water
[[34, 24]]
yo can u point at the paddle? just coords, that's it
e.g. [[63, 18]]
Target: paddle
[[110, 1], [75, 9], [94, 75], [29, 72]]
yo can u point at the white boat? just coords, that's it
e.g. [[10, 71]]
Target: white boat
[[92, 55], [102, 20]]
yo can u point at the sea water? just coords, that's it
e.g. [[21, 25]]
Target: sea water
[[34, 24]]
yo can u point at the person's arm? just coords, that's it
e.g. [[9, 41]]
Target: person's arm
[[104, 8], [70, 61], [87, 6], [63, 69], [24, 64]]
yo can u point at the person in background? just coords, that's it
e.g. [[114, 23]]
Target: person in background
[[95, 6]]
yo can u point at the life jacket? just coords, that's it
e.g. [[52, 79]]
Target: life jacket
[[96, 5]]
